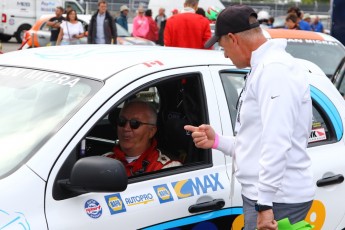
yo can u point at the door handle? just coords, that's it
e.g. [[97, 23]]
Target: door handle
[[336, 179], [215, 204]]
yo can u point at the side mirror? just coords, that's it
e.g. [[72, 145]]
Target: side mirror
[[96, 174]]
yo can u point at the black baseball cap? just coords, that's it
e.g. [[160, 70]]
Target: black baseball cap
[[233, 19]]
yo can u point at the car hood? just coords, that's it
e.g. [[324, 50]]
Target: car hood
[[134, 41]]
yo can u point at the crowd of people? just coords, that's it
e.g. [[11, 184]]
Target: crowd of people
[[163, 30]]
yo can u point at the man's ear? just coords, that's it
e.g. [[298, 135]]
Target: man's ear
[[153, 131], [232, 38]]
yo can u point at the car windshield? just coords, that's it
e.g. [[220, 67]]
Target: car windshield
[[34, 105], [325, 54]]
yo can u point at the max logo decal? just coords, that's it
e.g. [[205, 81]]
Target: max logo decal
[[14, 220], [190, 187]]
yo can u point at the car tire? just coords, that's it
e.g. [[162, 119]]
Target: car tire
[[5, 38], [20, 32]]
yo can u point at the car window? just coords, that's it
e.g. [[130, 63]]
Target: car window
[[44, 27], [34, 105], [322, 129], [179, 100], [121, 32], [325, 54]]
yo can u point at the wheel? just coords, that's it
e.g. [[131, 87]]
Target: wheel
[[20, 32], [5, 38]]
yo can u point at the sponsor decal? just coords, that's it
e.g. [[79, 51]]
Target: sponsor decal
[[196, 186], [36, 75], [316, 125], [140, 199], [163, 193], [13, 220], [317, 135], [93, 208], [312, 41], [115, 203], [11, 21]]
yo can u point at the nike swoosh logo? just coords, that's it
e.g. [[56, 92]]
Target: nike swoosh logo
[[272, 97]]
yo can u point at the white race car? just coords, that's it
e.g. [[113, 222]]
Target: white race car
[[57, 105]]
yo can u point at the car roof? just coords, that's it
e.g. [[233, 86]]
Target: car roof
[[297, 34], [102, 61]]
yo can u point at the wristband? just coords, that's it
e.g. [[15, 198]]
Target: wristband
[[216, 141]]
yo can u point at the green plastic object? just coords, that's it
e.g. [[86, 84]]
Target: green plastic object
[[212, 13], [285, 224]]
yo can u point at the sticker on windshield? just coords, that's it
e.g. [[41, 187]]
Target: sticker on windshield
[[37, 75], [93, 209], [317, 135]]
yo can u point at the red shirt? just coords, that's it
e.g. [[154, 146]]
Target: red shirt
[[150, 160], [187, 30], [152, 34]]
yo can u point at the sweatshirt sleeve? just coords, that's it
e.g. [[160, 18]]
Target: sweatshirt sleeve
[[167, 33], [226, 145]]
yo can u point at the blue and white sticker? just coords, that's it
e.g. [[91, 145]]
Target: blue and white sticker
[[163, 193], [115, 203], [93, 208]]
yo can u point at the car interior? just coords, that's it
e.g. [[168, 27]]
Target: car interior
[[179, 100]]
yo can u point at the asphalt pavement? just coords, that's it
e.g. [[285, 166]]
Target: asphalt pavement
[[9, 46]]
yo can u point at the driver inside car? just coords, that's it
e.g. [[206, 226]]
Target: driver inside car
[[137, 148]]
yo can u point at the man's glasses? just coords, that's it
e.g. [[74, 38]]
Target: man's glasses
[[133, 123]]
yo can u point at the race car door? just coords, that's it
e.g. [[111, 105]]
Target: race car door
[[195, 195]]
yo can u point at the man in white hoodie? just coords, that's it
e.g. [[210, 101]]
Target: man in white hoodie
[[273, 123]]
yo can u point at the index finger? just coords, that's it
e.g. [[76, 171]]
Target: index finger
[[191, 128]]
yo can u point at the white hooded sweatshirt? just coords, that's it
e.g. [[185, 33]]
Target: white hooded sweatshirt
[[274, 122]]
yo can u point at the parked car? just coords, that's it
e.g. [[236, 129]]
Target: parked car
[[39, 34], [319, 48], [57, 121]]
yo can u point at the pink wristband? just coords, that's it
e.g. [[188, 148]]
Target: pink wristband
[[216, 141]]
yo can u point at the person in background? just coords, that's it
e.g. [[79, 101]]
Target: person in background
[[174, 11], [68, 9], [306, 18], [270, 22], [152, 33], [187, 29], [71, 30], [54, 23], [161, 21], [102, 28], [291, 22], [272, 166], [122, 19], [137, 149], [140, 24], [317, 25], [201, 11], [303, 25]]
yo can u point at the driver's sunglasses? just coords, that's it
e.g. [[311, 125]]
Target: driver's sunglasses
[[133, 123]]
